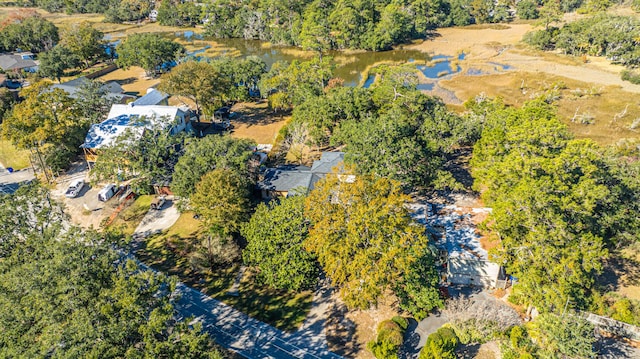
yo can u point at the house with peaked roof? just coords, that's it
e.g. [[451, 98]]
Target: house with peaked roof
[[135, 119], [113, 89], [285, 180], [18, 61], [153, 97]]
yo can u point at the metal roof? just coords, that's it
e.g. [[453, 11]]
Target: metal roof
[[153, 97]]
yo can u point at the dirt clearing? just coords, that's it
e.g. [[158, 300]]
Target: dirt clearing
[[257, 121]]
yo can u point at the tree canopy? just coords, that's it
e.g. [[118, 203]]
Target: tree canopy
[[84, 41], [198, 81], [54, 62], [150, 51], [363, 236], [202, 156], [275, 245], [66, 293], [29, 33], [554, 202], [48, 119]]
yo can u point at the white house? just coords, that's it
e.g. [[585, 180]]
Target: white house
[[136, 119]]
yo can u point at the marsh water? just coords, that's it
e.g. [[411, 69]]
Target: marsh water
[[350, 66]]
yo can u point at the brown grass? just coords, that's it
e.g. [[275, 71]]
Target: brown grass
[[604, 104], [257, 122], [132, 80]]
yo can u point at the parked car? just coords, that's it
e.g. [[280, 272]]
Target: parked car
[[157, 202], [107, 192], [222, 112], [74, 188]]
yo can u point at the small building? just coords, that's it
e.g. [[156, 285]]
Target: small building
[[282, 180], [18, 61], [474, 272], [132, 118], [153, 97], [112, 89]]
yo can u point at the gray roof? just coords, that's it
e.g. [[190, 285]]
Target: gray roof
[[153, 97], [17, 61], [327, 161], [473, 267], [113, 89], [286, 178]]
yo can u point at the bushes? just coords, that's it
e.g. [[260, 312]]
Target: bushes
[[390, 338], [631, 76], [440, 345], [475, 330]]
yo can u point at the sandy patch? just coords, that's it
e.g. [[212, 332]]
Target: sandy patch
[[257, 121], [133, 80]]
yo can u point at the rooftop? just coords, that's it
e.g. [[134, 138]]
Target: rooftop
[[286, 178], [153, 97], [17, 61]]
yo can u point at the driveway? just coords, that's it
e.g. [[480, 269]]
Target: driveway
[[156, 221], [10, 182]]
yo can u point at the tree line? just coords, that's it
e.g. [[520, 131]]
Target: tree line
[[66, 292]]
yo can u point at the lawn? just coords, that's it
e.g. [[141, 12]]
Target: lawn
[[13, 157], [169, 253], [127, 221]]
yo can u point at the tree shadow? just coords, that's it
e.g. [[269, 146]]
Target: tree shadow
[[341, 332], [619, 272]]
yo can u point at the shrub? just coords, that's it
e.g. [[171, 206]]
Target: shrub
[[389, 339], [440, 345], [542, 39], [631, 76], [527, 9], [475, 330]]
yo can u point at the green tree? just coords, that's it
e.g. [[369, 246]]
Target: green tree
[[389, 338], [292, 84], [54, 62], [61, 295], [527, 9], [127, 10], [221, 199], [198, 81], [93, 102], [32, 33], [7, 100], [275, 236], [440, 345], [48, 122], [149, 156], [563, 337], [204, 155], [361, 232], [550, 13], [149, 51], [84, 41]]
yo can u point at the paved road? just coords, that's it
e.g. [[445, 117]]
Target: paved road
[[235, 330], [248, 337], [10, 182]]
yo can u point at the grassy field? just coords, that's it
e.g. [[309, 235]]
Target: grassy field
[[605, 114], [169, 252], [12, 157]]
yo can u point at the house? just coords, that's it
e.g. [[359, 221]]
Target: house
[[19, 61], [461, 258], [153, 97], [136, 119], [281, 181], [112, 89]]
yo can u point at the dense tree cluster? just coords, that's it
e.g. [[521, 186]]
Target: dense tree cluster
[[390, 130], [67, 293], [27, 31], [612, 36], [321, 24], [558, 203], [150, 51]]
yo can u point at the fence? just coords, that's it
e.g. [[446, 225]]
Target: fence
[[613, 326]]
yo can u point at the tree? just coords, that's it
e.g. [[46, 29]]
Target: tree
[[198, 81], [563, 336], [527, 9], [127, 10], [294, 83], [32, 33], [84, 41], [7, 100], [149, 51], [549, 13], [46, 121], [67, 293], [202, 156], [440, 345], [93, 102], [54, 62], [150, 156], [275, 245], [361, 232], [389, 339], [221, 199]]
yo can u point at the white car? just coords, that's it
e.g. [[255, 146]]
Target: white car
[[74, 188]]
